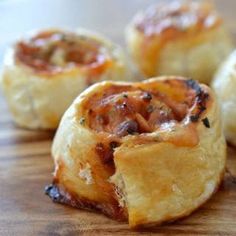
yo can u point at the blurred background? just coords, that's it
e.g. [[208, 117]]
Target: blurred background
[[106, 16]]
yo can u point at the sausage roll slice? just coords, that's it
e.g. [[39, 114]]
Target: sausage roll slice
[[44, 73], [146, 152], [224, 85], [184, 38]]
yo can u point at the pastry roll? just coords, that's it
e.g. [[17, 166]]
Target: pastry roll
[[45, 72], [146, 152], [224, 85], [184, 38]]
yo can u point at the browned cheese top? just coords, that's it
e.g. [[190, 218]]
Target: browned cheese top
[[177, 17], [142, 108], [54, 51]]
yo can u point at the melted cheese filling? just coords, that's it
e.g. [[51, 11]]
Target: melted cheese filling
[[128, 110], [177, 16], [54, 51]]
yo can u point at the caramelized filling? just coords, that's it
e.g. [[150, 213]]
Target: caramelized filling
[[177, 16], [126, 110], [53, 51]]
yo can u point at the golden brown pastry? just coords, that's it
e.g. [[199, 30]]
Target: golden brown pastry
[[184, 38], [44, 73], [145, 152], [224, 85]]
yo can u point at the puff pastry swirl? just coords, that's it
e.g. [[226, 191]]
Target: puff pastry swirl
[[184, 38], [45, 72], [224, 85], [146, 152]]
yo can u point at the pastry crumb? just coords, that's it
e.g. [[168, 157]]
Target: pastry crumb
[[86, 174]]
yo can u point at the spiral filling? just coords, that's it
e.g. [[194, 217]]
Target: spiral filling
[[54, 51], [134, 110], [176, 16]]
